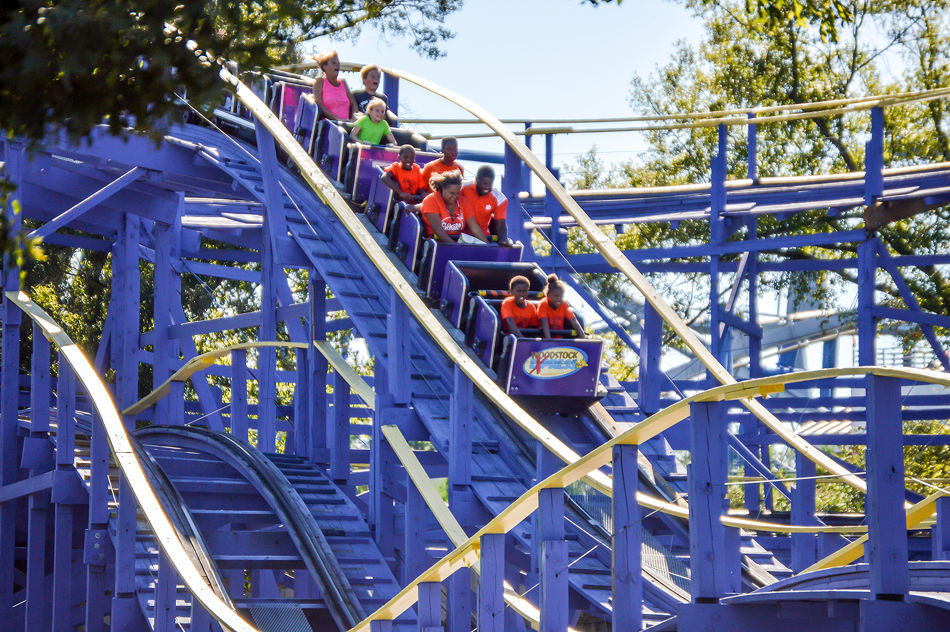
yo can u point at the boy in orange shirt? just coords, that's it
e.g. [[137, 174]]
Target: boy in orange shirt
[[553, 310], [517, 312], [450, 151], [405, 177]]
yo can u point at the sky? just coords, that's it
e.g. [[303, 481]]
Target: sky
[[538, 59]]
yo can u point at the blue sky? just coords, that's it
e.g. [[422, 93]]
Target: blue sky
[[539, 58]]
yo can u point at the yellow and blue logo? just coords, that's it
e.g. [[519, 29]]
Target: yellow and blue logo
[[555, 362]]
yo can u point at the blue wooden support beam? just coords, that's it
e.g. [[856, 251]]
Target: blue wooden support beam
[[37, 595], [63, 513], [382, 468], [398, 350], [126, 287], [415, 519], [651, 349], [301, 423], [752, 142], [804, 545], [511, 187], [430, 607], [940, 534], [553, 569], [887, 527], [167, 286], [9, 383], [459, 606], [712, 572], [317, 388], [491, 583], [165, 596], [239, 421], [380, 625], [338, 430], [627, 538], [524, 170], [97, 553], [717, 202], [391, 90], [90, 202]]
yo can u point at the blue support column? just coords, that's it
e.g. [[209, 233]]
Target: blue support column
[[239, 394], [755, 341], [67, 493], [165, 596], [9, 383], [511, 187], [98, 551], [627, 611], [275, 227], [712, 573], [887, 527], [430, 607], [867, 264], [301, 424], [461, 499], [126, 281], [414, 542], [525, 172], [167, 284], [554, 561], [940, 534], [382, 469], [491, 587], [338, 431], [398, 351], [717, 203], [318, 366], [391, 90], [380, 626], [804, 545], [37, 605], [651, 346]]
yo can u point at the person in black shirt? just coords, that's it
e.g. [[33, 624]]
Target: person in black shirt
[[371, 76]]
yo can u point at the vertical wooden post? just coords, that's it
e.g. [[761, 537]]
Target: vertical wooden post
[[167, 285], [887, 528], [338, 431], [651, 346], [382, 468], [317, 413], [511, 187], [627, 612], [940, 534], [391, 90], [398, 351], [65, 484], [717, 235], [239, 422], [98, 549], [711, 570], [753, 148], [37, 595], [414, 544], [804, 545], [458, 616], [867, 261], [554, 561], [126, 283], [165, 595], [301, 424], [491, 583], [430, 607]]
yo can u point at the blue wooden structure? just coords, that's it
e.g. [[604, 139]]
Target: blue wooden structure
[[297, 495]]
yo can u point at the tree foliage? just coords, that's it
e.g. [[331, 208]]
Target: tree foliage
[[68, 64]]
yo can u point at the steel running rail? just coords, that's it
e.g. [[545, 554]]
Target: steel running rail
[[125, 457], [527, 503]]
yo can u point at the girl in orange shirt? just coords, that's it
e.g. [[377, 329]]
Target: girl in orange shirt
[[553, 310], [441, 212], [517, 312]]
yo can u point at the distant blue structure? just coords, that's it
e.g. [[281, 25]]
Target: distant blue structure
[[285, 486]]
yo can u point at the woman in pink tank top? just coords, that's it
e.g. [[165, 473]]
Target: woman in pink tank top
[[331, 92]]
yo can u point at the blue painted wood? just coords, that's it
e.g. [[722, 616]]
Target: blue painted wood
[[63, 517], [37, 604], [414, 538], [318, 365], [338, 430], [887, 528], [804, 552], [391, 90], [752, 144], [460, 419], [301, 420], [651, 348], [553, 569], [626, 541], [940, 535], [459, 602], [430, 607], [382, 466], [510, 187], [712, 575], [165, 596], [239, 421], [491, 594]]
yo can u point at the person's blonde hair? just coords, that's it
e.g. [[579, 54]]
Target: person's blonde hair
[[323, 58], [367, 69], [375, 102]]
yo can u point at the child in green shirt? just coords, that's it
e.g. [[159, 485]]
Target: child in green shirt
[[373, 127]]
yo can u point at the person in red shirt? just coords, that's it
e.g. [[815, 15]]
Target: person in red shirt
[[486, 204], [441, 212], [517, 312], [405, 177], [554, 312], [450, 151]]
